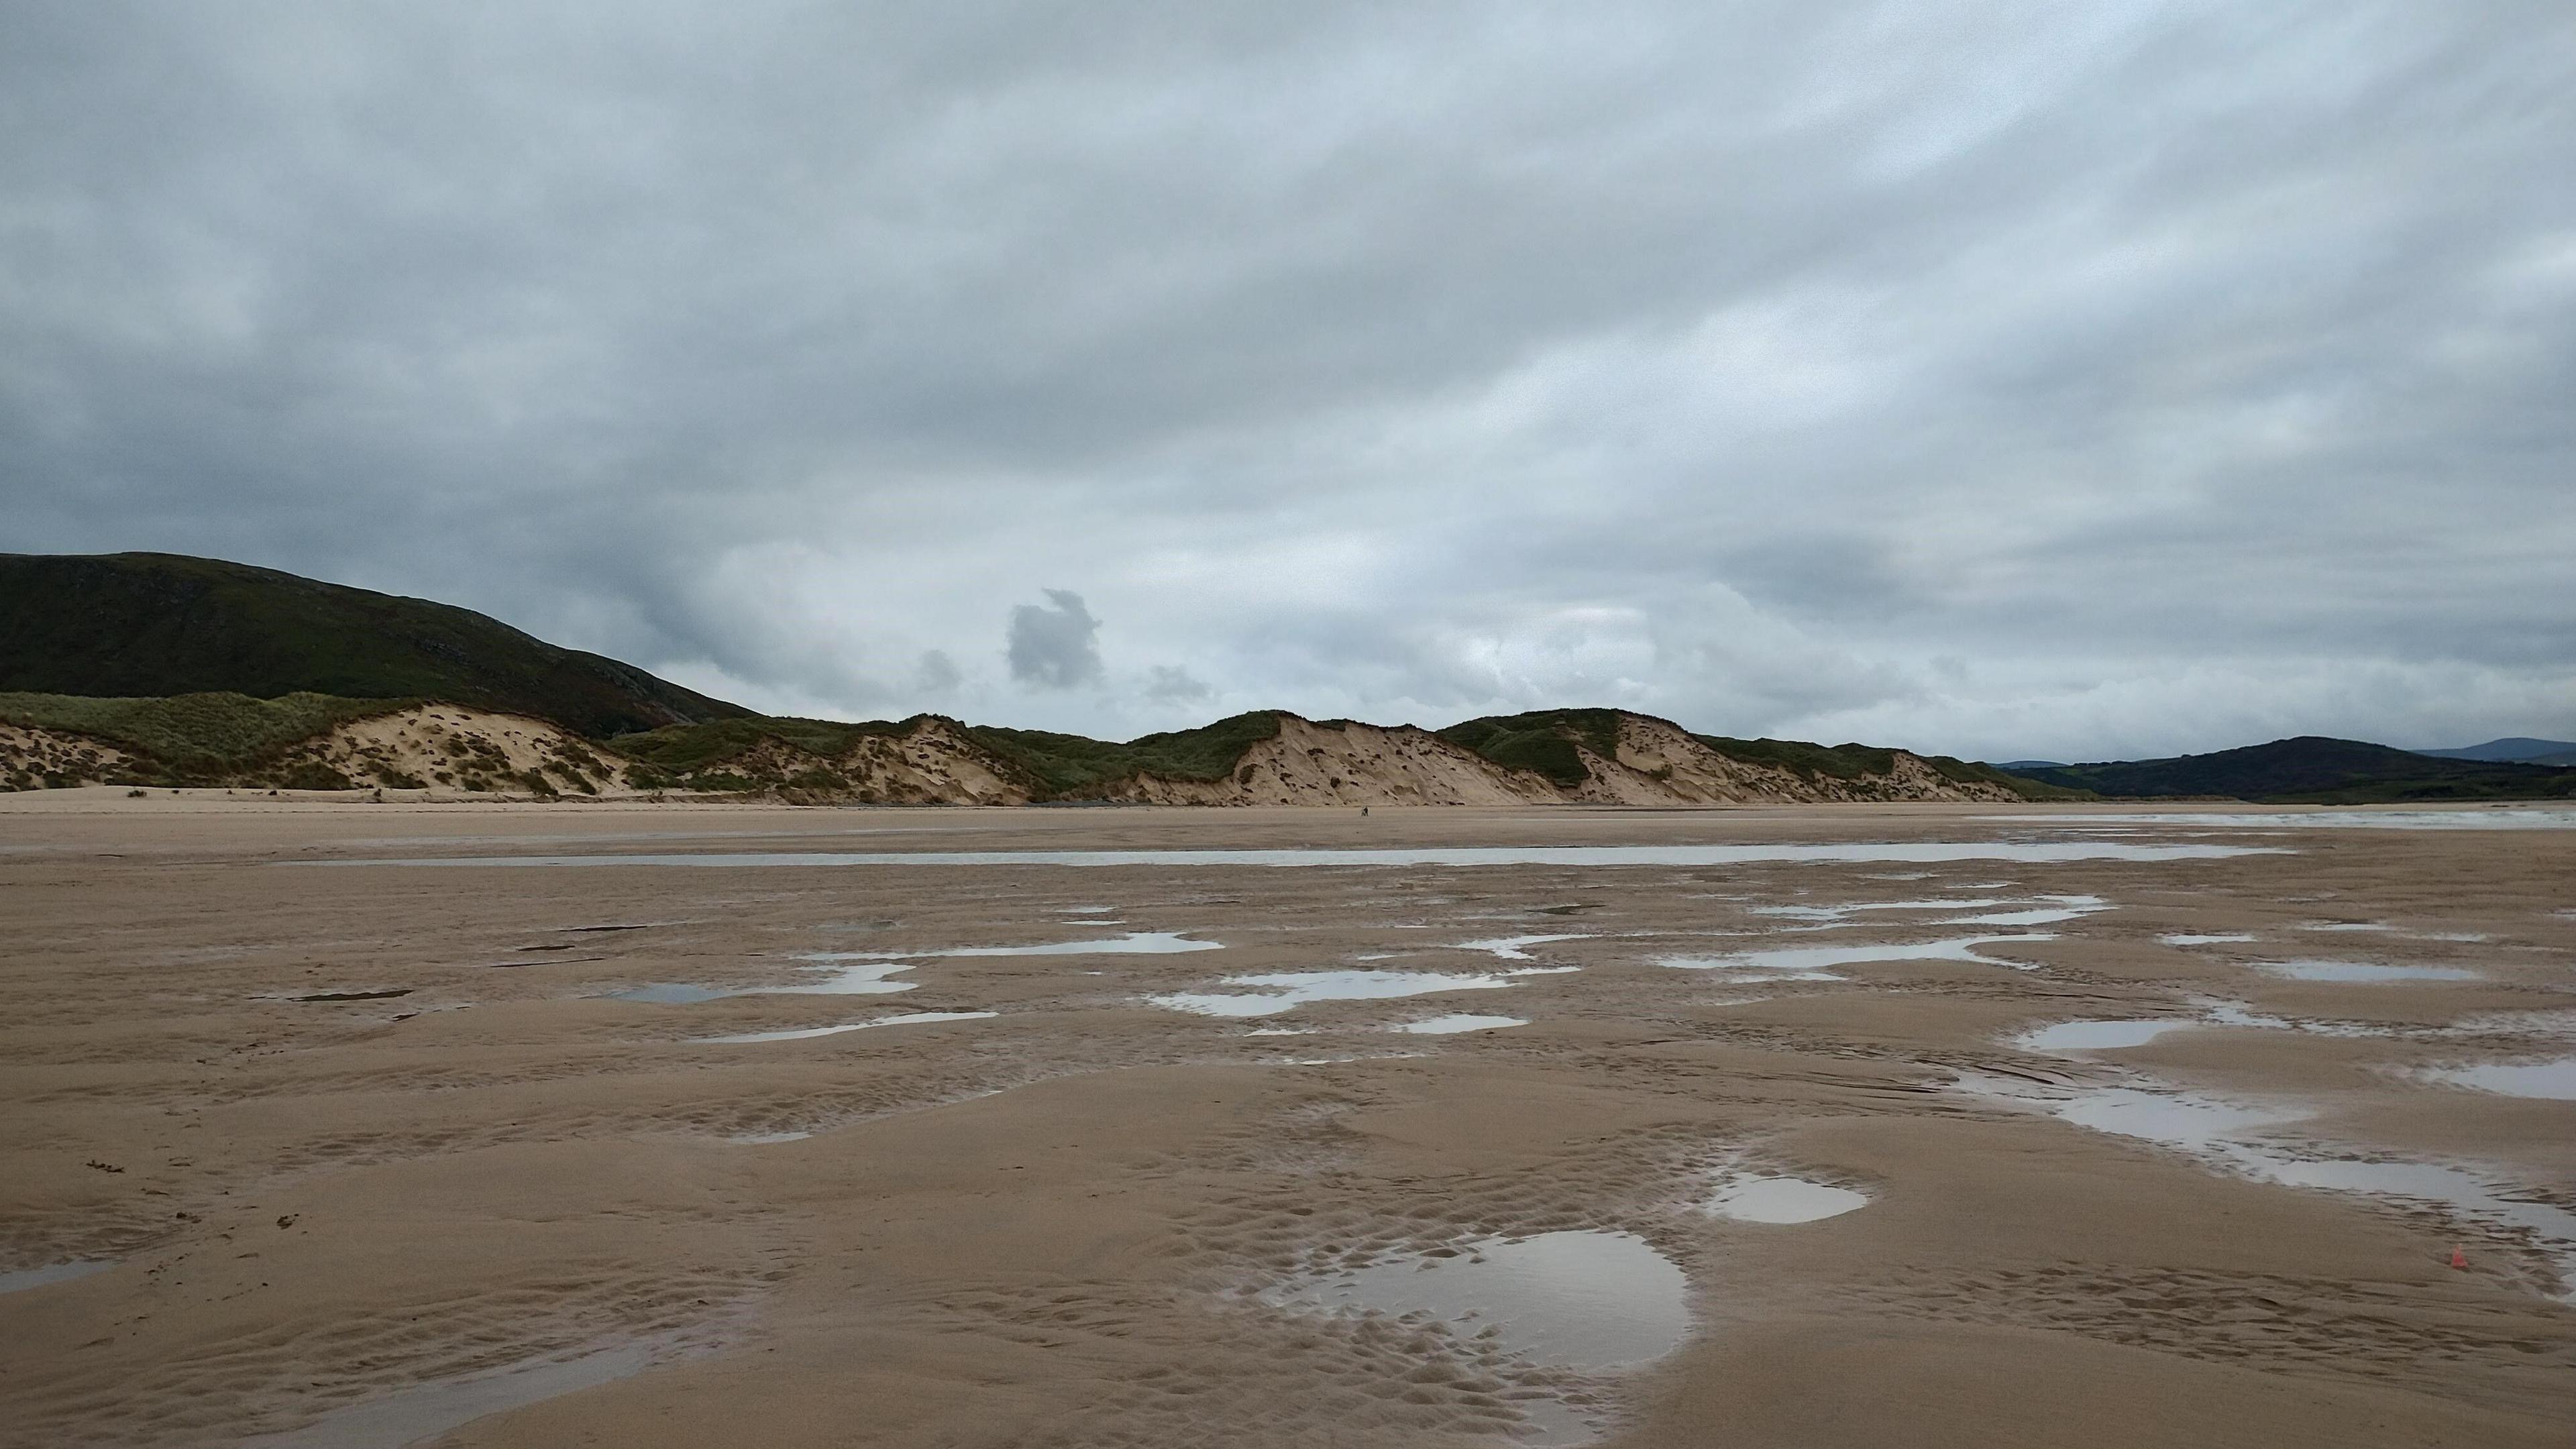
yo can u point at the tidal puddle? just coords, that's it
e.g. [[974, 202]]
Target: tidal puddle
[[1458, 1021], [2553, 1081], [763, 1139], [2360, 971], [1577, 1299], [1134, 943], [2066, 908], [2222, 1133], [2094, 1036], [415, 1415], [1836, 913], [2198, 938], [909, 1018], [1815, 963], [845, 973], [1281, 991], [53, 1273], [1767, 1198], [2236, 1013], [1515, 948], [2037, 851]]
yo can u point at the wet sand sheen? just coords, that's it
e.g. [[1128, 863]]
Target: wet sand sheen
[[1090, 1194]]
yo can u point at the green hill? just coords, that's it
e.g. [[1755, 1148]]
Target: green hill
[[147, 625], [2313, 769]]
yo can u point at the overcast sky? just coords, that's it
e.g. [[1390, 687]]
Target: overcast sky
[[2005, 379]]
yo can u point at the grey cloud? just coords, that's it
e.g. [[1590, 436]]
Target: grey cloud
[[2173, 369], [1055, 648], [937, 674], [1168, 684]]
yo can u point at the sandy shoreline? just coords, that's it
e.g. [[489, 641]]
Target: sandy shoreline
[[1087, 1217]]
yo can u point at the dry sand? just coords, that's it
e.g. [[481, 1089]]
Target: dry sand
[[1091, 1220]]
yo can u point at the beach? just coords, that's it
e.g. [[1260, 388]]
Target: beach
[[527, 1125]]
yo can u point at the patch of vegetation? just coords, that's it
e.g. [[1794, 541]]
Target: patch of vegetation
[[2316, 770], [145, 625], [1070, 766], [193, 737], [1970, 772], [314, 775], [1543, 742], [1840, 762], [675, 752]]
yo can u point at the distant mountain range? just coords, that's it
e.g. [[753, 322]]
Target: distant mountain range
[[2515, 749], [163, 669], [2313, 769]]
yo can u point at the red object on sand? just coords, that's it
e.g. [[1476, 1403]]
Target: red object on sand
[[2459, 1258]]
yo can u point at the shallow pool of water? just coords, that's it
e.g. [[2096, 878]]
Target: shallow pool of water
[[1761, 1198], [1458, 1021], [1838, 912], [2062, 908], [2361, 971], [1279, 991], [26, 1278], [1134, 943], [2553, 1081], [1464, 856], [1577, 1299], [415, 1415], [909, 1018], [1515, 948], [1815, 963], [2225, 1133], [835, 973], [2094, 1036], [2198, 938]]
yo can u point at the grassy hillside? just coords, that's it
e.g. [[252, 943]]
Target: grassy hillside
[[1052, 766], [192, 735], [2315, 770], [688, 749], [1542, 741], [1072, 766], [142, 625]]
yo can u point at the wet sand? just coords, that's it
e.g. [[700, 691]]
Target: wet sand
[[380, 1151]]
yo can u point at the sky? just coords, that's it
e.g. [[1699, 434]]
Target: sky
[[2007, 380]]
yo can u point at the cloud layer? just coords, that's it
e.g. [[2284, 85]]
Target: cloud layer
[[2008, 379]]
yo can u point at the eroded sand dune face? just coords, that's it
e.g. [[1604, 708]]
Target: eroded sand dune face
[[1352, 764], [930, 764], [376, 1149], [444, 748], [450, 749], [1658, 764], [30, 758], [452, 746]]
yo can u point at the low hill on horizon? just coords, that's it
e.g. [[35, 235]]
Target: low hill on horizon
[[143, 668], [2314, 769], [2514, 749], [154, 626]]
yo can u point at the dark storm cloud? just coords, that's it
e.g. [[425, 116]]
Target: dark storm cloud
[[2003, 377], [1057, 647]]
